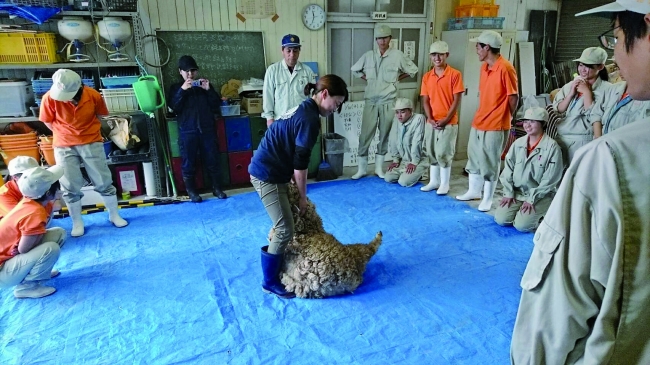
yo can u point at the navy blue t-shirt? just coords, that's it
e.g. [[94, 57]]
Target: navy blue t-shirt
[[287, 144]]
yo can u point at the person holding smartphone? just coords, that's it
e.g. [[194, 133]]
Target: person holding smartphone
[[196, 103]]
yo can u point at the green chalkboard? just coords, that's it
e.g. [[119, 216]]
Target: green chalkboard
[[221, 55]]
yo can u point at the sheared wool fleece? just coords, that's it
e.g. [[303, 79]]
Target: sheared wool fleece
[[316, 264]]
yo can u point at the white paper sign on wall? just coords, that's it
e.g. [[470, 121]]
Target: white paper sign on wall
[[394, 44], [409, 49], [348, 124]]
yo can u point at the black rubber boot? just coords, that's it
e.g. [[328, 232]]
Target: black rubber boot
[[216, 189], [271, 267], [191, 190]]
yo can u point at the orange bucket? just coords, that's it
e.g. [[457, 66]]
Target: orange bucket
[[17, 137], [48, 154], [11, 153]]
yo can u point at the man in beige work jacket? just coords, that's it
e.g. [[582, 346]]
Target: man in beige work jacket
[[533, 171], [382, 69], [586, 292], [406, 138]]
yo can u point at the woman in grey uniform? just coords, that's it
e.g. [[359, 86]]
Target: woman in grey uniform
[[533, 171], [619, 108], [576, 99], [406, 145]]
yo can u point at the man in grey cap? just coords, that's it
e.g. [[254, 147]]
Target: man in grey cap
[[285, 81], [382, 69], [28, 251], [586, 298], [406, 138], [498, 97]]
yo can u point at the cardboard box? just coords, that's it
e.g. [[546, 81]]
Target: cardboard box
[[252, 105]]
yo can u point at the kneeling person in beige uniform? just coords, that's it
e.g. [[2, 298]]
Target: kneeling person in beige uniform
[[532, 173], [406, 145]]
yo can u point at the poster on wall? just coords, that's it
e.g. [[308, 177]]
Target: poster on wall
[[255, 9], [348, 124]]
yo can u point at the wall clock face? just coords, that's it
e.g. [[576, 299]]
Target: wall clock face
[[313, 17]]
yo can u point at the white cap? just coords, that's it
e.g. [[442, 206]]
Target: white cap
[[382, 31], [536, 113], [636, 6], [593, 56], [403, 103], [21, 163], [439, 47], [36, 181], [489, 37], [65, 85]]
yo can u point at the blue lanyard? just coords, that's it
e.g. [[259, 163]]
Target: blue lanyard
[[623, 102], [574, 101]]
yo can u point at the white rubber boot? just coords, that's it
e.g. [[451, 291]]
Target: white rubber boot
[[488, 193], [445, 175], [434, 179], [113, 211], [32, 289], [363, 168], [379, 166], [77, 222], [475, 185]]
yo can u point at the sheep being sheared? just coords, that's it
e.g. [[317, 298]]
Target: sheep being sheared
[[316, 264]]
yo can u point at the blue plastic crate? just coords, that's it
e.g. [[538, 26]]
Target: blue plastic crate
[[119, 82], [475, 23], [238, 134], [42, 82]]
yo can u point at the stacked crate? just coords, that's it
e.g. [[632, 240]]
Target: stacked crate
[[476, 14]]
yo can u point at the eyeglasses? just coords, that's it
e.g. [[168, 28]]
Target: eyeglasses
[[607, 39]]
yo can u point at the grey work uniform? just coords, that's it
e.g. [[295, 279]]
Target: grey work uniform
[[382, 74], [586, 298], [406, 147], [532, 179], [619, 109], [576, 129]]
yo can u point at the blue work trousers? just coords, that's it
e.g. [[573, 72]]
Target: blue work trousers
[[192, 144]]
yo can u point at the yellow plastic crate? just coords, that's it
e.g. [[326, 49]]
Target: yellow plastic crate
[[28, 48], [470, 11], [476, 2]]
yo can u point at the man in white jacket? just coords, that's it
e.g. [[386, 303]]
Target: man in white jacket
[[382, 68], [285, 81]]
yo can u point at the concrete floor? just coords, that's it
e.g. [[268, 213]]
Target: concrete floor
[[457, 186]]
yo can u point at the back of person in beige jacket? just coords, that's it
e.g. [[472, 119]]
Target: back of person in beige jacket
[[586, 293]]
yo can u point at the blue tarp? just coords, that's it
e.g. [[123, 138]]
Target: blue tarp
[[181, 285]]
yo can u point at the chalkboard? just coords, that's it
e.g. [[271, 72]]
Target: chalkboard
[[221, 55]]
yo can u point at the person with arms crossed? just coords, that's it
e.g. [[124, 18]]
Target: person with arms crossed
[[586, 297], [382, 69], [498, 97], [442, 89]]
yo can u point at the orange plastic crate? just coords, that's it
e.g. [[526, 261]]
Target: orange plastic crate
[[476, 2], [469, 11], [28, 48]]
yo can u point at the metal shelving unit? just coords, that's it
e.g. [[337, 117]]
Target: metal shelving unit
[[7, 66], [138, 34]]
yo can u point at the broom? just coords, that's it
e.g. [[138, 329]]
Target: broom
[[325, 172]]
